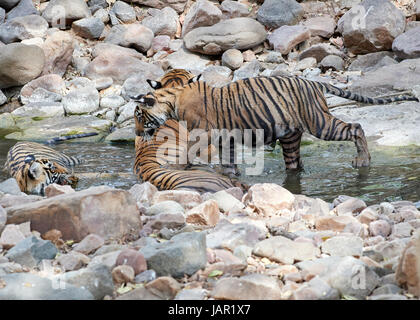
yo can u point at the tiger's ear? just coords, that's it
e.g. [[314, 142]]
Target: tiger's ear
[[195, 79], [154, 84], [29, 159], [35, 170]]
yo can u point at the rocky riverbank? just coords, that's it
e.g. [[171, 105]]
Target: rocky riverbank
[[106, 243]]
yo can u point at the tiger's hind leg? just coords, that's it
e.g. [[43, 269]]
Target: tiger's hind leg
[[291, 150], [337, 130]]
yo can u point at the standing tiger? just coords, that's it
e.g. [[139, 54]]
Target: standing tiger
[[284, 107], [35, 166], [159, 160]]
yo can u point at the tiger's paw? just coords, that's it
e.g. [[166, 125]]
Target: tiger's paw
[[359, 162]]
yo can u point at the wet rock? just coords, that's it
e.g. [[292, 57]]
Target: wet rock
[[232, 59], [26, 286], [19, 64], [343, 246], [132, 35], [285, 38], [58, 49], [248, 70], [408, 270], [22, 28], [187, 199], [238, 33], [201, 14], [206, 214], [89, 244], [162, 22], [73, 260], [89, 28], [123, 12], [10, 186], [226, 202], [268, 198], [333, 62], [407, 45], [133, 259], [379, 228], [233, 9], [375, 30], [320, 51], [24, 8], [164, 287], [184, 254], [61, 13], [184, 59], [277, 13], [11, 234], [286, 251], [122, 274], [107, 212], [31, 251], [249, 287], [97, 279], [145, 276]]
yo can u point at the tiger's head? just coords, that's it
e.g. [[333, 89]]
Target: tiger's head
[[36, 174]]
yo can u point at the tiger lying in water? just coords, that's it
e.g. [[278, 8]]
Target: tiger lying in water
[[284, 107], [158, 160], [35, 166]]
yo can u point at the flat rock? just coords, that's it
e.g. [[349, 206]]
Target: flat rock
[[407, 45], [372, 61], [323, 26], [177, 5], [285, 38], [131, 35]]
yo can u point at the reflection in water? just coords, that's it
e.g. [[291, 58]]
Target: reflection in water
[[394, 173]]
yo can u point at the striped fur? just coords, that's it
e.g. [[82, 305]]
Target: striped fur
[[35, 166], [284, 107]]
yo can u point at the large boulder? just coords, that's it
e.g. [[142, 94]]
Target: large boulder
[[277, 13], [237, 33], [24, 8], [201, 14], [371, 26], [285, 38], [407, 45], [58, 48], [107, 212], [61, 13], [20, 64]]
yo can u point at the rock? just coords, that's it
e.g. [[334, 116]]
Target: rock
[[134, 259], [135, 84], [177, 5], [24, 8], [58, 49], [306, 63], [30, 251], [407, 45], [3, 218], [19, 64], [139, 294], [22, 28], [187, 199], [102, 14], [122, 274], [111, 102], [343, 246], [73, 261], [277, 13], [389, 250], [201, 14], [81, 100], [119, 64], [249, 287], [228, 235], [379, 227], [217, 76], [107, 212], [351, 206], [10, 186], [285, 38], [89, 28], [61, 13], [316, 289], [11, 234], [132, 35], [338, 223], [387, 289], [372, 61], [89, 244], [367, 216], [126, 111], [233, 9], [248, 70], [165, 207], [8, 4], [56, 189], [3, 98], [206, 214], [161, 43], [232, 59], [268, 198], [401, 230], [97, 279], [368, 30], [332, 62], [322, 26], [123, 12], [95, 5], [320, 51], [408, 270], [105, 257], [143, 193], [164, 287], [145, 276], [191, 294], [51, 82], [284, 250], [162, 22], [9, 200], [184, 59], [27, 286], [226, 202], [237, 33], [184, 254], [167, 220]]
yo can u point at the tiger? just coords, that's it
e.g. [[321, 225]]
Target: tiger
[[283, 106], [164, 169], [35, 166]]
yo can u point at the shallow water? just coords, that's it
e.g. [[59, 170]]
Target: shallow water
[[394, 173]]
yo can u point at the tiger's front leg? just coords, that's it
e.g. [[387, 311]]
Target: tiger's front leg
[[291, 150]]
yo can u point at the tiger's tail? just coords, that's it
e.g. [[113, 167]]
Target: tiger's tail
[[71, 136]]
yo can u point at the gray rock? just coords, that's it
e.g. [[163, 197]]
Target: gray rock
[[191, 294], [126, 111], [123, 12], [102, 14], [31, 251], [19, 64], [61, 13], [232, 59], [3, 218], [333, 62], [90, 28], [285, 38], [201, 14], [8, 4], [89, 244], [320, 51], [233, 9], [184, 59], [177, 5], [131, 35], [3, 98], [407, 45], [323, 26], [343, 246], [372, 26], [145, 276], [165, 207], [184, 254], [73, 260], [277, 13], [316, 289], [22, 28], [42, 109], [125, 134], [237, 33], [96, 278], [113, 102], [10, 186], [388, 297], [162, 22], [95, 5], [41, 95], [248, 70], [24, 8], [26, 286], [2, 15], [134, 85], [387, 289], [81, 100], [372, 61]]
